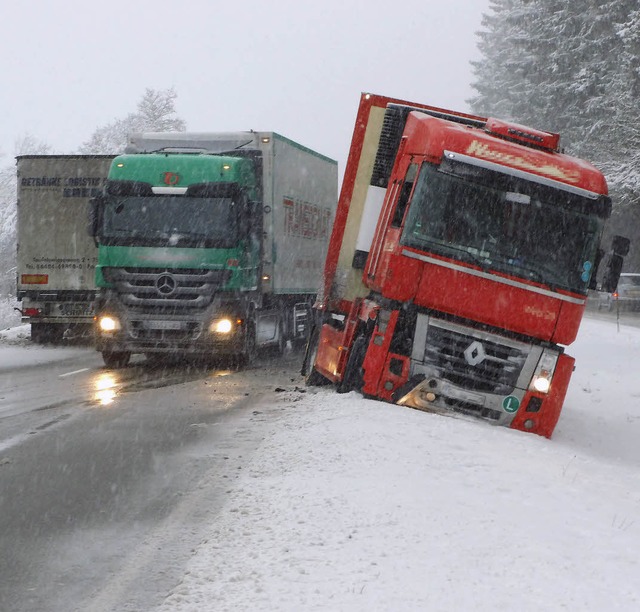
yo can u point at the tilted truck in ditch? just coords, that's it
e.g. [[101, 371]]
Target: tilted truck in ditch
[[459, 264], [210, 244], [55, 258]]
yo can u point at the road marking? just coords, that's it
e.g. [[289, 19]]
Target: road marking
[[74, 372]]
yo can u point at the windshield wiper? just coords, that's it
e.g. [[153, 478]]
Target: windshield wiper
[[473, 255], [536, 273]]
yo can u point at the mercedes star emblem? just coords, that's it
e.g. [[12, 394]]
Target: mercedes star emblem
[[166, 284]]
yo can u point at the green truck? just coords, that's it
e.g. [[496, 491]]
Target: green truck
[[210, 245]]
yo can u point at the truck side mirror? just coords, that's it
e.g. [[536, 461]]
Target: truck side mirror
[[593, 282], [612, 273], [620, 248], [620, 245]]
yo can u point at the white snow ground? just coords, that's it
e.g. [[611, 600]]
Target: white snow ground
[[17, 351], [356, 505]]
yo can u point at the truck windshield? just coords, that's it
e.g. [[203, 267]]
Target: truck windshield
[[505, 223], [170, 221]]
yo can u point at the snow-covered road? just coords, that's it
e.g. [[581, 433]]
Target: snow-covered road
[[351, 504]]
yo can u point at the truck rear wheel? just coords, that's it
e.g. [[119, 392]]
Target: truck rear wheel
[[47, 333], [116, 359], [281, 343]]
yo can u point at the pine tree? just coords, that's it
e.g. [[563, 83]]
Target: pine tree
[[26, 145], [572, 68]]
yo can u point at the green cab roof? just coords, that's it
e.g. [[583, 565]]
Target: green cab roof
[[182, 169]]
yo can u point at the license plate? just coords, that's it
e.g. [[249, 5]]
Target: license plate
[[164, 324], [76, 310]]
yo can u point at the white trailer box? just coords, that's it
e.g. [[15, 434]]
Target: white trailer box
[[56, 257]]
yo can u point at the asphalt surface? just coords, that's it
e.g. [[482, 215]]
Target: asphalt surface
[[108, 477]]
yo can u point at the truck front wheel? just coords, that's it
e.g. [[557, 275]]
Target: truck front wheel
[[250, 347], [116, 359], [312, 377], [353, 374]]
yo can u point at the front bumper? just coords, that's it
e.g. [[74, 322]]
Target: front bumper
[[455, 368], [147, 333]]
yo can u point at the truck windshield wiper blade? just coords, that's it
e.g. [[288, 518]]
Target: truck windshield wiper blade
[[475, 257], [534, 273]]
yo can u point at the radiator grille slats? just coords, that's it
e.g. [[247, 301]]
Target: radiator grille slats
[[477, 364], [166, 289]]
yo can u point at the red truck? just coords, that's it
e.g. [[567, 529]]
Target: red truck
[[458, 268]]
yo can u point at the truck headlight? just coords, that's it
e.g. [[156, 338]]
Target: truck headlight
[[108, 323], [221, 326], [541, 380]]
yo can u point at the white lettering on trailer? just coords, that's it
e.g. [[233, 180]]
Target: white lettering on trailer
[[305, 220]]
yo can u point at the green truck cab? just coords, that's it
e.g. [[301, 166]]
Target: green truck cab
[[192, 244]]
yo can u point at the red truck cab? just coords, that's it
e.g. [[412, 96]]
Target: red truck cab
[[459, 264]]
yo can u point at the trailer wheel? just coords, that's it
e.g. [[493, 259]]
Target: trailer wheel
[[46, 333], [116, 359], [353, 374], [281, 343], [313, 378], [250, 347]]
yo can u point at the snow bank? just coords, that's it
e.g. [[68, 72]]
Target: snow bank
[[353, 504], [17, 350]]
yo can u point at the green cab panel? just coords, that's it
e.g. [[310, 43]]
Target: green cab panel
[[182, 170], [243, 266]]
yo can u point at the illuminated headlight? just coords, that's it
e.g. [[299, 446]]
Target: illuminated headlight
[[221, 326], [108, 324], [541, 381]]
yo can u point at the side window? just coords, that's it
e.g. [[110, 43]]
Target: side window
[[405, 192]]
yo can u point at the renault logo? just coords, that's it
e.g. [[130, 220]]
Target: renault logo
[[166, 284], [474, 353]]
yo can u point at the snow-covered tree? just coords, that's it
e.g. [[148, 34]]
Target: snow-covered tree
[[572, 68], [155, 113], [551, 64], [26, 145]]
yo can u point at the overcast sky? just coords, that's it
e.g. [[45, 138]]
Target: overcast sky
[[294, 67]]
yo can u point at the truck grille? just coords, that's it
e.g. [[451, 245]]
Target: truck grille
[[164, 288], [471, 360]]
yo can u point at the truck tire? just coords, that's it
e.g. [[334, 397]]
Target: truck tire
[[46, 333], [353, 375], [250, 346], [37, 333], [312, 377], [281, 343], [116, 359]]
